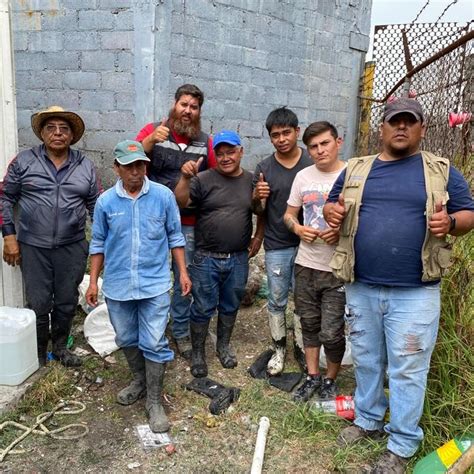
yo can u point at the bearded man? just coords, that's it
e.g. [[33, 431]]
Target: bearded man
[[169, 144]]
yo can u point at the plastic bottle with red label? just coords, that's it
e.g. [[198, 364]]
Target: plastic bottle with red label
[[342, 405]]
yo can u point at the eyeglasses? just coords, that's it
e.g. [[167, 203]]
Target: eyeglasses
[[62, 129], [229, 153]]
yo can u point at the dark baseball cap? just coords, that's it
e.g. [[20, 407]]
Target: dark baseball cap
[[403, 105]]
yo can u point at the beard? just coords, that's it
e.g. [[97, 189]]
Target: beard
[[188, 129]]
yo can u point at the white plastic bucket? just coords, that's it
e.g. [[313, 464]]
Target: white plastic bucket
[[18, 352]]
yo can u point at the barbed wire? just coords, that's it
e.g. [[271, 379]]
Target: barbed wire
[[418, 15], [441, 85], [437, 20]]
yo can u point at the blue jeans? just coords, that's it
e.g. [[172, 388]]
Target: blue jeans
[[142, 323], [279, 266], [180, 305], [218, 283], [394, 328]]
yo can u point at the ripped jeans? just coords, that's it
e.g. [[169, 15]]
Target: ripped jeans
[[392, 328], [279, 266]]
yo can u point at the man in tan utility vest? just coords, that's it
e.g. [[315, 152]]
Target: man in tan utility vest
[[393, 211]]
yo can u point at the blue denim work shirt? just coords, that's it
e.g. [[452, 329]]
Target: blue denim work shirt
[[135, 235]]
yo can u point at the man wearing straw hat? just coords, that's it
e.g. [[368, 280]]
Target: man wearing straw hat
[[53, 187]]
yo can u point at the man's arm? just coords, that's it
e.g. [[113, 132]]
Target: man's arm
[[182, 190], [457, 216], [441, 222], [257, 239], [95, 190], [10, 194], [180, 261], [305, 233], [97, 262]]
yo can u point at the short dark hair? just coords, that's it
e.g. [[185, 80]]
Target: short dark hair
[[316, 128], [281, 117], [192, 90]]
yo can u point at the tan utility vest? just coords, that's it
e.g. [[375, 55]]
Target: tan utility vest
[[435, 253]]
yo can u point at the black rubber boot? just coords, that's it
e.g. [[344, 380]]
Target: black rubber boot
[[220, 395], [198, 341], [225, 326], [155, 373], [137, 387], [42, 338], [60, 329]]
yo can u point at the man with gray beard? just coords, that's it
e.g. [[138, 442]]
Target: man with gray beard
[[169, 144]]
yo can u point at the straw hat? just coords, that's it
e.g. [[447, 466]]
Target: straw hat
[[73, 119]]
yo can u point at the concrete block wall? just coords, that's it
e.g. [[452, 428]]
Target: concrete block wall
[[118, 63]]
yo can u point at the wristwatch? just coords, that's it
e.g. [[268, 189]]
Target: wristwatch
[[452, 225]]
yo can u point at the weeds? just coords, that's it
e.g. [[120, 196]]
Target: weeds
[[45, 394], [449, 405]]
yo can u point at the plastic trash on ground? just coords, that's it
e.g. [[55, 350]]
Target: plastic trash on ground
[[99, 332], [342, 405], [82, 294], [150, 440]]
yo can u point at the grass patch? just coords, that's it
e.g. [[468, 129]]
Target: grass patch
[[449, 405], [43, 396], [56, 385]]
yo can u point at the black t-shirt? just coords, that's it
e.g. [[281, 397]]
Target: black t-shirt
[[280, 179], [224, 211]]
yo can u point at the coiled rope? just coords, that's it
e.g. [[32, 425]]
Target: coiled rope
[[63, 408]]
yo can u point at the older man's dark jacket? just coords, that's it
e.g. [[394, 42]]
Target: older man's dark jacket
[[51, 212]]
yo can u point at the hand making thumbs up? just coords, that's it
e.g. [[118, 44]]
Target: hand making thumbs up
[[161, 132], [336, 213], [262, 188], [440, 222], [191, 168]]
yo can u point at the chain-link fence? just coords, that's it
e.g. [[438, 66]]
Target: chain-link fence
[[433, 62]]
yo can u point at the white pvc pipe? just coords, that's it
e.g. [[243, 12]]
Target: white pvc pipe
[[259, 453]]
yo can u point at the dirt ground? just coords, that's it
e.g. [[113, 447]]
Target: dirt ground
[[299, 440]]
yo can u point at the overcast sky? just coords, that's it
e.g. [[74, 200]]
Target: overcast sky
[[385, 12]]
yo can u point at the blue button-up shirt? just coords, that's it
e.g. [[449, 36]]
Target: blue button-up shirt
[[135, 235]]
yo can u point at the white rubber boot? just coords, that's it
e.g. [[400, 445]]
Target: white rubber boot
[[277, 325]]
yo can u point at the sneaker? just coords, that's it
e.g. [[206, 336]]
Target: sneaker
[[389, 463], [328, 390], [308, 389], [352, 434], [184, 347]]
